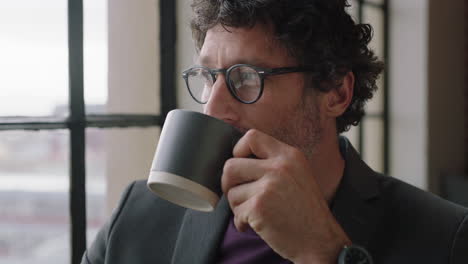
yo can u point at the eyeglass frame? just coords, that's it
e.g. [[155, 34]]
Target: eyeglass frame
[[262, 73]]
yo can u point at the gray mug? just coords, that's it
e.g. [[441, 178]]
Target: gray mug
[[189, 159]]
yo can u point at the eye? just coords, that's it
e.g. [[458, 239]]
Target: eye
[[249, 76], [243, 76], [245, 83]]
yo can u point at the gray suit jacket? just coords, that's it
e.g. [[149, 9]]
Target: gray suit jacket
[[396, 222]]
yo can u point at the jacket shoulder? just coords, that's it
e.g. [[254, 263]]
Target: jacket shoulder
[[417, 219], [412, 199], [143, 228]]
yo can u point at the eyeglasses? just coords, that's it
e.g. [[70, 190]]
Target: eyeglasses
[[245, 82]]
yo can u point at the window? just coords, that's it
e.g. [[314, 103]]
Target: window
[[371, 137], [58, 121]]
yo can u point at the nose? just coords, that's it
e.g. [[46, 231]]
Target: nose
[[221, 104]]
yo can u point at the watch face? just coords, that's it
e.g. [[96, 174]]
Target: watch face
[[355, 255]]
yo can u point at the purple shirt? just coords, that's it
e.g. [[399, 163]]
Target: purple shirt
[[245, 248]]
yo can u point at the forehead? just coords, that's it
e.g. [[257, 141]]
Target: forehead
[[225, 46]]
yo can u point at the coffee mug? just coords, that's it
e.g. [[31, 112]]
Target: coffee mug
[[189, 159]]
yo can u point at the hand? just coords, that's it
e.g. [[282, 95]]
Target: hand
[[278, 197]]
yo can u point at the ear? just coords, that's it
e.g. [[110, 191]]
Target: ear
[[337, 100]]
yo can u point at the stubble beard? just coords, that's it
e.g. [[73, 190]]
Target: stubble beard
[[302, 128]]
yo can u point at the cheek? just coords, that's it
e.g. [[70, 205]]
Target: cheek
[[278, 104], [287, 88], [285, 98], [270, 117], [282, 92]]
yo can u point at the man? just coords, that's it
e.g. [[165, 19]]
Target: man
[[291, 75]]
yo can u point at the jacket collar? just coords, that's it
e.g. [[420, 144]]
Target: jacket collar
[[356, 205], [201, 235]]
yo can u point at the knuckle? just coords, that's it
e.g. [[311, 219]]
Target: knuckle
[[237, 222], [227, 178], [281, 166], [252, 133], [228, 166], [258, 205], [257, 215], [232, 199], [269, 186], [257, 225]]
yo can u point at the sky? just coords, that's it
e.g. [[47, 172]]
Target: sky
[[34, 55]]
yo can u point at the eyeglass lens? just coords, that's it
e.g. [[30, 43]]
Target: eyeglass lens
[[244, 82], [200, 83]]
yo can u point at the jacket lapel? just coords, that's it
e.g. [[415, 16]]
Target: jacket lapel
[[200, 235], [357, 206]]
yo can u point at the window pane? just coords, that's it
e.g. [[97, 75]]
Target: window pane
[[34, 185], [373, 143], [34, 57], [95, 55], [353, 136]]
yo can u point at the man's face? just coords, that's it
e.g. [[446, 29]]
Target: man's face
[[284, 111]]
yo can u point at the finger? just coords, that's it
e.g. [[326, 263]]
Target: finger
[[248, 214], [237, 195], [241, 214], [241, 170], [256, 143]]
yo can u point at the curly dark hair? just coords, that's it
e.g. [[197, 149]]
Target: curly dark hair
[[318, 33]]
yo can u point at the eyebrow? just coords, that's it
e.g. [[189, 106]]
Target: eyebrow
[[206, 61]]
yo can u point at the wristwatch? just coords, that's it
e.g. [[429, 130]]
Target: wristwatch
[[354, 254]]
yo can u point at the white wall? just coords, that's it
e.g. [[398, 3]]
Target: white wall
[[133, 79], [408, 90], [186, 54]]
